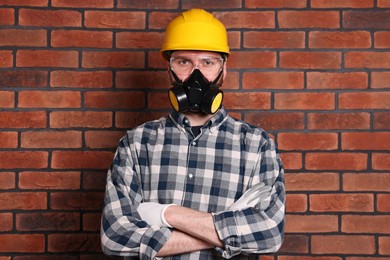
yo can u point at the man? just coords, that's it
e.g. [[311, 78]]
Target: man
[[197, 184]]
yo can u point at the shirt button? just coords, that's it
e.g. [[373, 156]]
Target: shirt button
[[190, 175], [186, 121], [193, 143]]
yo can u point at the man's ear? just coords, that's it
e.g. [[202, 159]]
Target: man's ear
[[224, 71]]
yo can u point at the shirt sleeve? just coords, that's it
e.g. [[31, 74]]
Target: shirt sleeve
[[259, 229], [123, 233]]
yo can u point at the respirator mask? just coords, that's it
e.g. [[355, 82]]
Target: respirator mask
[[196, 93]]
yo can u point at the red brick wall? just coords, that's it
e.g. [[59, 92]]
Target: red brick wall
[[75, 74]]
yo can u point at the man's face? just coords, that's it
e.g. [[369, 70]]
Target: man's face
[[183, 63]]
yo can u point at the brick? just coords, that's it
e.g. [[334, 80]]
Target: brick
[[380, 161], [158, 100], [81, 159], [114, 100], [327, 181], [20, 243], [305, 101], [340, 40], [7, 180], [49, 99], [142, 79], [276, 121], [74, 243], [275, 4], [7, 16], [23, 201], [382, 203], [296, 244], [364, 100], [342, 4], [338, 121], [382, 39], [103, 139], [308, 19], [139, 40], [6, 222], [358, 141], [17, 37], [307, 141], [160, 20], [47, 58], [52, 221], [49, 180], [81, 79], [24, 3], [341, 202], [384, 245], [6, 59], [366, 182], [23, 78], [381, 120], [83, 4], [233, 100], [157, 61], [300, 257], [273, 80], [251, 19], [335, 80], [45, 257], [8, 139], [156, 4], [7, 100], [23, 119], [255, 59], [311, 224], [366, 19], [51, 139], [88, 119], [371, 60], [132, 119], [365, 224], [383, 3], [296, 203], [76, 200], [91, 221], [93, 59], [310, 60], [23, 159], [49, 18], [291, 161], [343, 244], [336, 161], [211, 4], [274, 39], [78, 38], [94, 180], [118, 19], [380, 79]]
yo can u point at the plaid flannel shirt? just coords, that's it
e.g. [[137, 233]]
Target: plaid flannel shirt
[[161, 161]]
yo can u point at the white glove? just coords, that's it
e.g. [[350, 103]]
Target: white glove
[[251, 197], [153, 213]]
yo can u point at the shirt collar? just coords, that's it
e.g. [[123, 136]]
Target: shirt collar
[[181, 120]]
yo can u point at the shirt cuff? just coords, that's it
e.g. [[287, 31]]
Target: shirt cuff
[[226, 227], [152, 241]]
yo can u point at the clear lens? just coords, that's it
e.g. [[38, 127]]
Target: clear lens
[[209, 66]]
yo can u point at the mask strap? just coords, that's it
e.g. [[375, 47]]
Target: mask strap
[[178, 81]]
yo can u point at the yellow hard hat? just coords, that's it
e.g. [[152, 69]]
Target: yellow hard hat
[[195, 29]]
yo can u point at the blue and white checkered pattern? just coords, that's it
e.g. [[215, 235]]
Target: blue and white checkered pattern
[[161, 161]]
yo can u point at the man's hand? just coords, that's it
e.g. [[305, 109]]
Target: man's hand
[[251, 197], [153, 213]]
